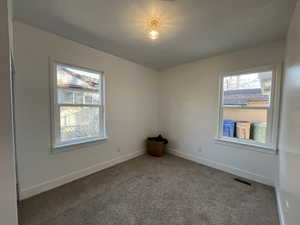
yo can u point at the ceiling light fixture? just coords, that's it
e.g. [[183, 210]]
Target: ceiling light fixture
[[154, 25]]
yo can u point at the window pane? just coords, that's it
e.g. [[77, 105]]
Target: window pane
[[79, 122], [249, 124], [78, 97], [248, 89], [91, 98], [65, 96], [73, 85]]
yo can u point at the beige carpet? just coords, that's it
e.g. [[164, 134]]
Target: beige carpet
[[154, 191]]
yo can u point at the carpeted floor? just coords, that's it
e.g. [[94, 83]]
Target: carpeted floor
[[154, 191]]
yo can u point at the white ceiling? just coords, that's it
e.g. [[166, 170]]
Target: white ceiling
[[191, 29]]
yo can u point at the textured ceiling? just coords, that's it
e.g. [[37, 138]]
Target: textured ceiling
[[191, 29]]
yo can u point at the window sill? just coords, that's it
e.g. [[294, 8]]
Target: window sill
[[246, 145], [77, 144]]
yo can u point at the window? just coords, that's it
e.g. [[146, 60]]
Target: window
[[77, 105], [248, 112]]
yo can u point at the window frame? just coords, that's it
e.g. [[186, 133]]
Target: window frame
[[56, 144], [272, 110]]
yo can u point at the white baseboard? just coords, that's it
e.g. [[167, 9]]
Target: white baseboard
[[280, 208], [227, 168], [48, 185]]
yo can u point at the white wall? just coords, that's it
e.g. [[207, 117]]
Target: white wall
[[132, 110], [8, 193], [289, 142], [188, 112]]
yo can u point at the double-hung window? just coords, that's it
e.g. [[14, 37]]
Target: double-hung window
[[78, 109], [248, 108]]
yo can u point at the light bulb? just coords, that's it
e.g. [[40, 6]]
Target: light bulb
[[153, 34]]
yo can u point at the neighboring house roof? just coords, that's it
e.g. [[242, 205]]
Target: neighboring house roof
[[243, 96], [77, 81]]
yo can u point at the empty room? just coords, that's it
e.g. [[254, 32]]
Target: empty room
[[150, 112]]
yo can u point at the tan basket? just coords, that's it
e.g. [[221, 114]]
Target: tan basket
[[156, 148], [243, 129]]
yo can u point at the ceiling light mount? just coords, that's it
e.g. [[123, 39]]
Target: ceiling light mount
[[154, 25]]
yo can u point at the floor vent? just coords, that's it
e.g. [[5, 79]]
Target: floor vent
[[242, 181]]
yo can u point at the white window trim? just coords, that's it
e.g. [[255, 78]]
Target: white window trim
[[273, 112], [54, 109]]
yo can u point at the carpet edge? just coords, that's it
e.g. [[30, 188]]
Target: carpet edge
[[226, 168], [59, 181]]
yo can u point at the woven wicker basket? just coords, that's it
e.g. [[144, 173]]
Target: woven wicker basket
[[156, 148]]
